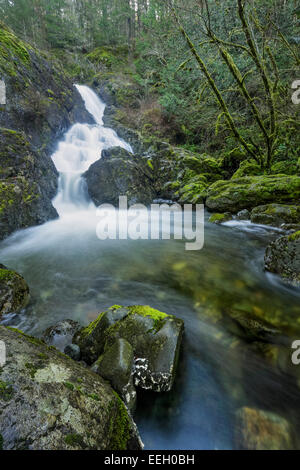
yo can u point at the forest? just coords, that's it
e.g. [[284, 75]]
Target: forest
[[184, 104]]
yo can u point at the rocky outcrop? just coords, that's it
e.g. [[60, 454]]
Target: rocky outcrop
[[41, 104], [49, 402], [120, 173], [252, 191], [262, 430], [14, 292], [155, 338], [276, 215], [283, 257]]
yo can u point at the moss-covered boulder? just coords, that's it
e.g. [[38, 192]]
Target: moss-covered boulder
[[248, 168], [283, 257], [262, 430], [220, 218], [252, 191], [49, 402], [276, 214], [14, 292], [120, 173], [154, 336], [116, 366]]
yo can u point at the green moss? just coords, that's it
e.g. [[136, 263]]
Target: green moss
[[6, 391], [6, 275], [12, 51], [120, 427], [69, 385], [94, 396], [74, 440], [220, 218], [90, 328], [31, 368], [146, 311], [30, 339], [294, 236]]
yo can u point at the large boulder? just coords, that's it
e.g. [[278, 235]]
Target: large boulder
[[119, 173], [154, 336], [283, 257], [276, 214], [14, 292], [262, 430], [49, 402], [252, 191]]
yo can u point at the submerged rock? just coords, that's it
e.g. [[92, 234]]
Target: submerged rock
[[119, 173], [14, 292], [116, 366], [49, 402], [262, 430], [61, 334], [276, 214], [252, 191], [283, 257], [155, 338]]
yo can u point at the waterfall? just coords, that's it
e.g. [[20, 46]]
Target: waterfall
[[82, 146]]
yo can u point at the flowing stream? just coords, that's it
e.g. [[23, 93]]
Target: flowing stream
[[72, 274]]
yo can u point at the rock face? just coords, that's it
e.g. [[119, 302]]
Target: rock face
[[252, 191], [41, 104], [119, 173], [283, 257], [14, 292], [155, 338], [276, 214], [262, 430], [49, 402]]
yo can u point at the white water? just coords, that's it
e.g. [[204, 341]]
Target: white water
[[81, 148]]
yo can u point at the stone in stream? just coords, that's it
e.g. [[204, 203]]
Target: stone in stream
[[49, 402], [243, 215], [73, 351], [262, 430], [220, 218], [61, 334], [155, 338], [14, 292], [251, 191], [116, 366], [276, 214], [283, 257]]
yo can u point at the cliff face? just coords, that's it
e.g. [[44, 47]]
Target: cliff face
[[41, 104]]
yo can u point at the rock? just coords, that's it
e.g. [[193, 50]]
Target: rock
[[14, 292], [276, 214], [73, 351], [262, 430], [116, 366], [41, 105], [285, 168], [61, 334], [283, 257], [250, 327], [243, 215], [248, 168], [154, 336], [119, 173], [252, 191], [49, 402], [220, 218]]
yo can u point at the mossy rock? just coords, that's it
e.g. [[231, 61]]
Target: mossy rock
[[252, 191], [247, 168], [286, 168], [276, 214], [154, 336], [283, 258], [14, 292], [220, 218], [44, 405]]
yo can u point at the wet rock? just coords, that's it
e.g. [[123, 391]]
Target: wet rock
[[250, 327], [14, 292], [220, 218], [49, 402], [119, 173], [262, 430], [61, 334], [154, 336], [116, 366], [276, 214], [73, 351], [252, 191], [283, 258], [243, 215]]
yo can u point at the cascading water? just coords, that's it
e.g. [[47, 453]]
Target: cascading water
[[82, 146]]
